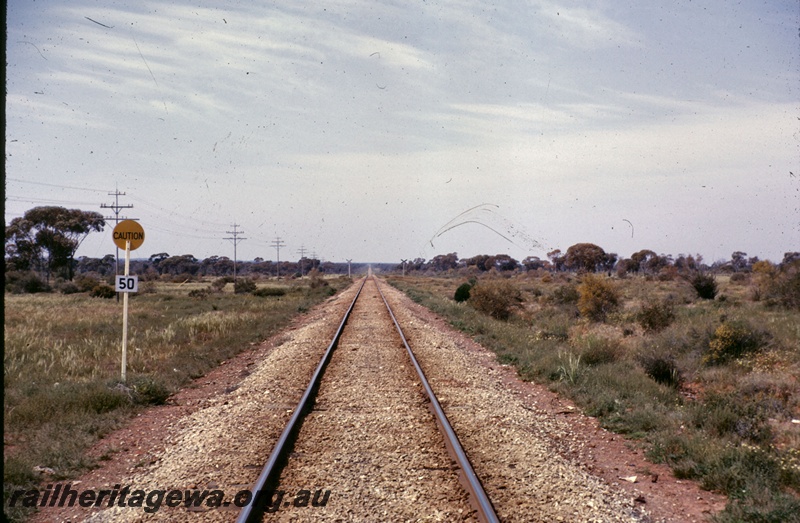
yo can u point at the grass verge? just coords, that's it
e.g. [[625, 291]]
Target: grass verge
[[62, 355], [712, 391]]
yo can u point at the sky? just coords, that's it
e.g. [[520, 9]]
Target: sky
[[380, 130]]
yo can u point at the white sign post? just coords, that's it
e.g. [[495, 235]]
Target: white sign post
[[128, 235], [125, 314]]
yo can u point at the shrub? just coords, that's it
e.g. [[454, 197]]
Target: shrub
[[667, 273], [787, 286], [199, 294], [565, 294], [732, 340], [220, 283], [656, 316], [101, 290], [705, 285], [733, 415], [597, 351], [149, 391], [101, 400], [19, 282], [598, 297], [263, 292], [497, 298], [315, 279], [739, 277], [462, 293], [244, 286], [68, 287], [85, 283], [661, 368]]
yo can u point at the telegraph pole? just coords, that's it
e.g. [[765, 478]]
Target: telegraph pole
[[404, 266], [116, 207], [302, 252], [348, 268], [278, 243], [235, 239]]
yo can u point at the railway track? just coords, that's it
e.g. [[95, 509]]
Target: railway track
[[368, 448], [370, 429]]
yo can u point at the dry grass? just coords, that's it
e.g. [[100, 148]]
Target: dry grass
[[724, 421], [62, 354]]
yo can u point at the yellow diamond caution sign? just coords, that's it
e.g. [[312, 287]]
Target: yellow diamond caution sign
[[128, 231]]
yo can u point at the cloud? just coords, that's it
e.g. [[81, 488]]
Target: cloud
[[585, 28]]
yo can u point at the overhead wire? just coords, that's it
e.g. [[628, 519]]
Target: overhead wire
[[213, 230]]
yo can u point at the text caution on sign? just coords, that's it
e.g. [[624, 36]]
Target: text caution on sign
[[127, 284]]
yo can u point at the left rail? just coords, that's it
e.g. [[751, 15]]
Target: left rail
[[277, 459]]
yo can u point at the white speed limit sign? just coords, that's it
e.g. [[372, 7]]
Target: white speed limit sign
[[127, 284]]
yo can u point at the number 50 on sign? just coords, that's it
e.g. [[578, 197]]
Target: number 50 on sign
[[127, 284]]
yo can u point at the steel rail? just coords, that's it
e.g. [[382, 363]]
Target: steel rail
[[277, 458], [478, 498]]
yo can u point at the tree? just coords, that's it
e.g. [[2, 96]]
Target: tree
[[479, 262], [444, 262], [640, 259], [102, 266], [557, 259], [586, 257], [177, 265], [739, 261], [45, 238], [688, 263], [501, 262], [531, 263]]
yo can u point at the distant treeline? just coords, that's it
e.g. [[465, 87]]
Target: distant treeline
[[588, 257]]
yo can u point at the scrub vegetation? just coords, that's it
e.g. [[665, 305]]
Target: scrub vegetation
[[707, 384], [62, 355]]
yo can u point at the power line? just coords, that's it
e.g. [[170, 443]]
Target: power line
[[235, 239], [46, 200], [278, 243], [54, 185], [302, 252]]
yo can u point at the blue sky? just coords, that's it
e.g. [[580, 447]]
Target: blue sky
[[359, 130]]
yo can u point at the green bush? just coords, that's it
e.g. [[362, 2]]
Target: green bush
[[101, 290], [200, 294], [316, 279], [85, 283], [786, 287], [105, 399], [661, 368], [598, 297], [565, 294], [220, 283], [244, 286], [656, 316], [732, 340], [497, 298], [727, 415], [149, 391], [705, 285], [597, 351], [264, 292], [68, 287], [462, 293], [21, 282]]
